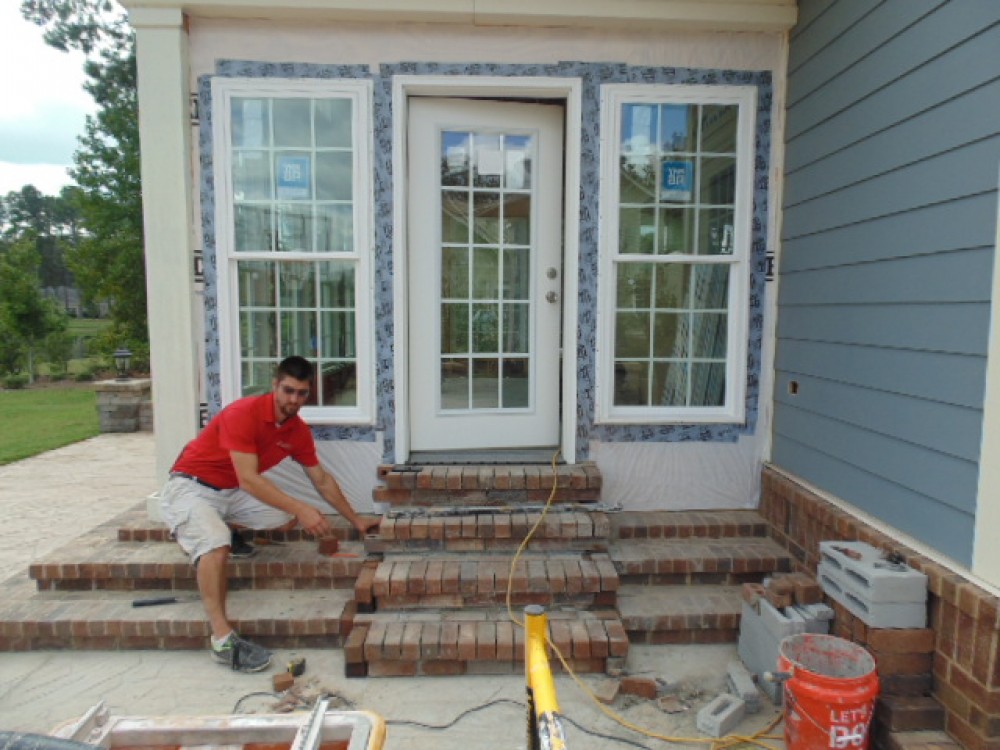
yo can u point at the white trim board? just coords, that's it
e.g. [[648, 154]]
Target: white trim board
[[567, 89]]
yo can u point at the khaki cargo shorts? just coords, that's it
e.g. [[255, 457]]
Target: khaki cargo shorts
[[199, 516]]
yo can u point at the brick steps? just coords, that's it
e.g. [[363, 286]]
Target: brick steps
[[477, 641], [106, 620], [917, 740], [454, 581], [436, 529], [683, 524], [471, 484], [659, 615], [727, 561], [97, 560]]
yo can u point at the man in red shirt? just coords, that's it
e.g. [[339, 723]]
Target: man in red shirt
[[218, 481]]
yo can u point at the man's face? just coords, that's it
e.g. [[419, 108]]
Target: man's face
[[289, 396]]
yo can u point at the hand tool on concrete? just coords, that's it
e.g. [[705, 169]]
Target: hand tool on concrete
[[158, 600]]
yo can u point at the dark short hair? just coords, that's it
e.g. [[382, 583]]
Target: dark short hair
[[296, 367]]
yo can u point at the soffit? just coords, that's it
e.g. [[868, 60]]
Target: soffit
[[704, 15]]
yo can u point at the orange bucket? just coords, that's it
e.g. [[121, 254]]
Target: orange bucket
[[830, 694]]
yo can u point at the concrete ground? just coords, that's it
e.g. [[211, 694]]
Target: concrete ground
[[49, 499]]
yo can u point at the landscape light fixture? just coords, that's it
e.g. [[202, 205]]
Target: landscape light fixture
[[123, 363]]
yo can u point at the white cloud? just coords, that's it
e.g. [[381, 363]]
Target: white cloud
[[43, 104], [48, 178]]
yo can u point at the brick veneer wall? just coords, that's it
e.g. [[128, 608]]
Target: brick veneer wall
[[964, 617]]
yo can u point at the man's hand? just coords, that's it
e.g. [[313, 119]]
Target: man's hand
[[367, 525], [313, 521]]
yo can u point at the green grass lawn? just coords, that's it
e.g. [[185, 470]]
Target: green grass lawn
[[40, 419]]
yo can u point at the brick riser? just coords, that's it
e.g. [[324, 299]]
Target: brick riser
[[454, 583], [478, 643], [487, 485], [309, 571], [484, 531]]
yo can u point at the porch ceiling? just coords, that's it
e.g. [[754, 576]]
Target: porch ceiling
[[705, 15]]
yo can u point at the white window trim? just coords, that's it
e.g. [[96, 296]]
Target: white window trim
[[360, 93], [613, 96]]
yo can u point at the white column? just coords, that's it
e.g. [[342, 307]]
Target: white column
[[986, 551], [165, 130]]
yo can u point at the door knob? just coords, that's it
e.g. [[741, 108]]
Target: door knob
[[552, 296]]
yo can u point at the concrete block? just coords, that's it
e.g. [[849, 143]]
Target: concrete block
[[817, 611], [870, 575], [721, 716], [814, 624], [874, 614], [759, 649], [778, 623], [741, 684]]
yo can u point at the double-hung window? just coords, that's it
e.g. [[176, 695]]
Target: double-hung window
[[676, 196], [293, 230]]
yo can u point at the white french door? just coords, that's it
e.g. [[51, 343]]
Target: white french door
[[485, 273]]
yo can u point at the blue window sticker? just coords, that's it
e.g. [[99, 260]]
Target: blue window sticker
[[294, 179], [677, 181]]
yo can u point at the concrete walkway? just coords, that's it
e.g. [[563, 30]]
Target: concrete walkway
[[49, 499]]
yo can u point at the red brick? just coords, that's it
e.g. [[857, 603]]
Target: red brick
[[442, 668], [644, 687], [384, 668], [466, 641], [282, 682], [903, 641], [486, 641], [505, 641], [751, 592], [906, 714]]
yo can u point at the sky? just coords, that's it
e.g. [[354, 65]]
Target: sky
[[42, 106]]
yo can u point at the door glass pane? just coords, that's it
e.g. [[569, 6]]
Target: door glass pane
[[516, 273], [485, 328], [631, 383], [632, 334], [670, 335], [638, 179], [718, 128], [485, 383], [455, 158], [708, 335], [455, 273], [486, 221], [708, 383], [455, 216], [678, 127], [670, 383], [486, 218], [517, 162], [516, 384], [257, 337], [637, 231], [298, 333], [635, 283], [673, 286], [256, 376], [516, 328], [487, 161], [485, 273], [455, 328], [715, 234], [455, 383], [257, 284], [676, 231]]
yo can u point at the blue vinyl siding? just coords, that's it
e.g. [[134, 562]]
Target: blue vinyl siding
[[889, 234]]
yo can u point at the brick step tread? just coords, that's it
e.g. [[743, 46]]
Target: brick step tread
[[508, 524], [31, 619], [476, 641], [744, 554], [97, 560], [670, 524], [456, 477], [905, 713], [499, 497], [134, 525], [680, 614], [464, 580]]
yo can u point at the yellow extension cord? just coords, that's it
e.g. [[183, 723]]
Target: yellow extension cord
[[715, 743]]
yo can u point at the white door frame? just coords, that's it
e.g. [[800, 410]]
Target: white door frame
[[566, 89]]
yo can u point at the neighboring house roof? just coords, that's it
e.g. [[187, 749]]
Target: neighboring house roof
[[714, 15]]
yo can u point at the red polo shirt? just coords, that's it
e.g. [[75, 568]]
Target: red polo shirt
[[247, 426]]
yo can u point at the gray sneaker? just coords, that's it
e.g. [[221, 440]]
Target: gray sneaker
[[241, 655]]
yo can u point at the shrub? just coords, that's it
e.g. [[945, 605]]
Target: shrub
[[15, 382]]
